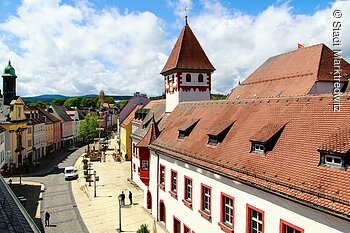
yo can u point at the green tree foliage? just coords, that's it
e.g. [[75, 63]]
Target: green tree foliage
[[73, 102], [143, 229], [38, 104], [102, 98], [109, 100], [88, 102], [218, 97], [88, 127], [58, 101]]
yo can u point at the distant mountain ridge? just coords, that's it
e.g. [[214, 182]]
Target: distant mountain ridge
[[50, 97]]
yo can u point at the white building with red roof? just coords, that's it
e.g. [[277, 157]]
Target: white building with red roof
[[270, 158]]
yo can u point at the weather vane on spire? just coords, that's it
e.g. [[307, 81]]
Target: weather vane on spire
[[186, 15]]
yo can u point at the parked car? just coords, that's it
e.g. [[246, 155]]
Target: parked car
[[72, 148], [70, 173], [3, 168]]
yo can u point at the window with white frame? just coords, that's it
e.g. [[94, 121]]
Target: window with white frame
[[206, 199], [333, 161], [258, 148], [174, 181], [162, 175], [287, 227], [227, 211], [144, 164], [188, 189], [255, 221]]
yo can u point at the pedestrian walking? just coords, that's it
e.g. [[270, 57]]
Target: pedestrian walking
[[130, 197], [123, 198], [47, 219]]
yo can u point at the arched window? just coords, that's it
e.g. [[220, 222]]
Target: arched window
[[188, 78], [200, 78]]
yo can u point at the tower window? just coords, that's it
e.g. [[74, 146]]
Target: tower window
[[200, 78], [188, 78]]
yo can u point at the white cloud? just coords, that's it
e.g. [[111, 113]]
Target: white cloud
[[78, 50], [238, 43]]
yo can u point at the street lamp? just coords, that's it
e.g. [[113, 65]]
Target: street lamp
[[120, 199], [94, 183]]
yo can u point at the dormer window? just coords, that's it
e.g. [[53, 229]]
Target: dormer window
[[187, 128], [188, 78], [218, 134], [266, 138], [258, 148], [333, 161], [335, 150]]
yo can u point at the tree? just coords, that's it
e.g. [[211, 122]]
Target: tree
[[73, 102], [58, 101], [38, 104], [143, 229], [102, 98], [88, 127], [88, 102]]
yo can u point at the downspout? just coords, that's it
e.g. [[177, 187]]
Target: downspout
[[157, 185]]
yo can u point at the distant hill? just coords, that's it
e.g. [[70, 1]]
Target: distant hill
[[42, 98], [49, 98]]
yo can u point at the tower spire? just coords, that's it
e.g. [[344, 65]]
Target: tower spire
[[186, 14]]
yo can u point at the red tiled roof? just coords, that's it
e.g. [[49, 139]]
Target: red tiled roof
[[151, 135], [187, 54], [220, 127], [131, 116], [188, 124], [290, 169], [267, 132], [289, 74], [154, 103], [339, 142]]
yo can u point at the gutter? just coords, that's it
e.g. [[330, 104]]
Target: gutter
[[157, 184]]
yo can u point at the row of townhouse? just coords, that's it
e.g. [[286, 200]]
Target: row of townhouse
[[273, 157], [27, 133]]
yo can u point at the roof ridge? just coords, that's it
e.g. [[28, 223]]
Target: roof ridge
[[300, 97], [298, 50]]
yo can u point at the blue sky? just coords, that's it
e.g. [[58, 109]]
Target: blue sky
[[80, 47]]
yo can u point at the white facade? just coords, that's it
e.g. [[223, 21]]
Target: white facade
[[179, 89], [2, 147], [39, 141], [274, 209]]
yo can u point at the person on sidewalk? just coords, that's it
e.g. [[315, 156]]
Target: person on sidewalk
[[47, 219], [123, 198], [130, 197]]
